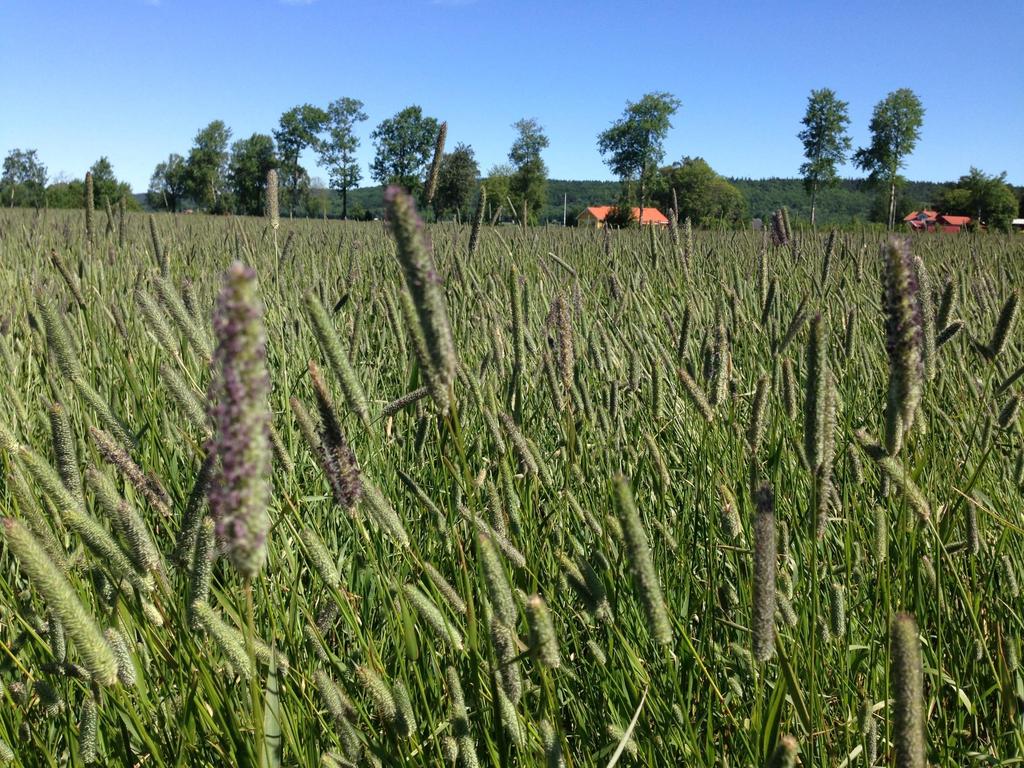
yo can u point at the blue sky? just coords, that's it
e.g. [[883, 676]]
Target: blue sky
[[136, 79]]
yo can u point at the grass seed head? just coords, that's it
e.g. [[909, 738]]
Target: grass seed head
[[908, 689], [63, 601], [765, 556], [240, 414]]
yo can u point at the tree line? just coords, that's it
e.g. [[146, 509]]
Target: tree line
[[895, 129], [219, 175], [24, 183]]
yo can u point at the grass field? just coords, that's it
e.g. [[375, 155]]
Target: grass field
[[611, 549]]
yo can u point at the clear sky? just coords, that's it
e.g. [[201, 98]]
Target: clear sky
[[136, 79]]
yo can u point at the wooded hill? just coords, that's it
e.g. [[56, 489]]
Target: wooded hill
[[851, 201]]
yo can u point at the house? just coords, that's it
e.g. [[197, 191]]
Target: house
[[1017, 224], [595, 216], [930, 221], [953, 223], [921, 221]]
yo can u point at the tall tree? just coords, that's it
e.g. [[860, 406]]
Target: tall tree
[[634, 144], [499, 188], [456, 181], [404, 145], [529, 181], [207, 166], [23, 181], [297, 131], [168, 183], [104, 183], [895, 129], [251, 159], [338, 149], [825, 142]]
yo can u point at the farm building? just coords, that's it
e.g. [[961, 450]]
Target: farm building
[[595, 216], [930, 221]]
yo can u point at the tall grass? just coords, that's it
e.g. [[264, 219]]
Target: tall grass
[[518, 509]]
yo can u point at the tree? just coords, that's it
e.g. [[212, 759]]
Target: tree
[[168, 183], [104, 183], [404, 145], [456, 182], [825, 142], [895, 128], [957, 201], [634, 143], [66, 194], [207, 166], [23, 182], [529, 181], [338, 150], [499, 188], [704, 196], [987, 199], [297, 130], [318, 199], [251, 159]]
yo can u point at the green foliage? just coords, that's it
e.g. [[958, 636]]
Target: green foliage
[[704, 197], [825, 141], [633, 145], [71, 194], [338, 149], [297, 130], [528, 184], [895, 128], [105, 184], [456, 183], [499, 188], [251, 159], [168, 184], [848, 202], [956, 200], [620, 216], [23, 183], [207, 167], [987, 199], [404, 145]]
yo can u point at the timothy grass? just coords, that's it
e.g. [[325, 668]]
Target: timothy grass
[[556, 557]]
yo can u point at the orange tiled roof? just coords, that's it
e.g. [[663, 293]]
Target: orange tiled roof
[[650, 216]]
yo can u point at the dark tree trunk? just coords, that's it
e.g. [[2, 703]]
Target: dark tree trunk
[[892, 205]]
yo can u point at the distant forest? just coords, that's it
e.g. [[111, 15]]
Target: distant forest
[[849, 202]]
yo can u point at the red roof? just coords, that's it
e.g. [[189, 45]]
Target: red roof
[[916, 215], [955, 221], [599, 212], [650, 216]]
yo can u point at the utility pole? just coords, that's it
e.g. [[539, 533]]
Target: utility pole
[[565, 206]]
